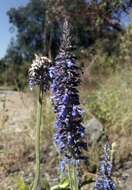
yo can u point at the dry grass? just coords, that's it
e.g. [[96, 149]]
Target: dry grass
[[17, 135], [111, 103]]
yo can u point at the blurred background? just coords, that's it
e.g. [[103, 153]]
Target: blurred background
[[102, 35]]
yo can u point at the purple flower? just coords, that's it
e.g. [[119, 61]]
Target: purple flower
[[104, 180], [69, 136]]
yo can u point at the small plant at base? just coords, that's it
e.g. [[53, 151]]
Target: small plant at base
[[39, 76]]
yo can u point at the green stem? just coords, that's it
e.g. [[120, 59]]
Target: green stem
[[36, 182], [72, 174], [75, 178]]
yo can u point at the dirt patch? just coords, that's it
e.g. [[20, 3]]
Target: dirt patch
[[16, 134]]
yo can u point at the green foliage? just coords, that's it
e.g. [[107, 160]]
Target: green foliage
[[38, 23], [22, 185], [63, 185], [13, 54], [2, 70], [15, 76], [112, 104], [29, 21], [107, 56], [125, 56]]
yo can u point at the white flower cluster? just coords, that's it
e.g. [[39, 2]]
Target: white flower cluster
[[39, 72]]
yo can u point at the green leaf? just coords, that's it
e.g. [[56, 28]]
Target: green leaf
[[64, 184]]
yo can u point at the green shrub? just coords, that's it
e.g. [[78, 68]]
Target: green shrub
[[15, 76]]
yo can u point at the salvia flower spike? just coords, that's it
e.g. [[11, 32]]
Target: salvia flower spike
[[65, 80], [39, 73], [104, 180]]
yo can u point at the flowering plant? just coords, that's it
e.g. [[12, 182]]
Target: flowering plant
[[69, 136], [104, 180], [39, 76]]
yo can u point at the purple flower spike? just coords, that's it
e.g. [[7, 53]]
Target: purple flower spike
[[65, 77], [104, 180]]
